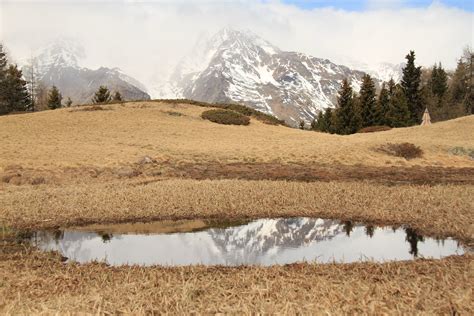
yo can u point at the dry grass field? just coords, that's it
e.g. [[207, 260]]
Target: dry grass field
[[124, 133], [82, 166]]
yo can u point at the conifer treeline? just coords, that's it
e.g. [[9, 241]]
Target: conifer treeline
[[403, 104], [16, 97]]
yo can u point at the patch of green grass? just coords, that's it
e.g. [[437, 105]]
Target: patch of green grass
[[461, 151], [226, 117], [242, 109]]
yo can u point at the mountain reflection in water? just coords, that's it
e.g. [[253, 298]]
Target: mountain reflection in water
[[260, 242]]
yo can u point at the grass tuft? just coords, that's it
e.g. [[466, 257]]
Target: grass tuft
[[404, 150]]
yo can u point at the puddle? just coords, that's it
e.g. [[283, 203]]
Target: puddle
[[260, 242]]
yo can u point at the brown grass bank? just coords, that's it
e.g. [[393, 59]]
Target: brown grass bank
[[34, 283], [442, 210]]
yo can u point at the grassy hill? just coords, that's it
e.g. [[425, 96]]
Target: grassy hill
[[122, 134]]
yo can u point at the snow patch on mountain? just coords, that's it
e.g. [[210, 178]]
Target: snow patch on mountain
[[239, 66]]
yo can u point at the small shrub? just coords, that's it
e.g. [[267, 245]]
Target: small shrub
[[404, 150], [173, 113], [226, 117], [37, 180], [242, 109], [461, 151], [372, 129]]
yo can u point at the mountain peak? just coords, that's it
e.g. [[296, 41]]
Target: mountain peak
[[61, 53], [229, 37]]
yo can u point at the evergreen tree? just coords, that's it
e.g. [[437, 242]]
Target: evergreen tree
[[323, 121], [460, 96], [398, 114], [3, 77], [383, 104], [117, 97], [102, 95], [68, 102], [391, 87], [347, 119], [54, 98], [327, 124], [15, 91], [459, 83], [439, 82], [302, 125], [368, 102], [411, 85], [314, 122]]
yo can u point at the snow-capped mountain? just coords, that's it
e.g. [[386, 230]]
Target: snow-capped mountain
[[386, 71], [258, 242], [382, 71], [238, 66], [59, 64], [268, 236]]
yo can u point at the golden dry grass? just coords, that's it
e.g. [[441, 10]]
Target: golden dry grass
[[75, 158], [34, 283], [444, 210], [68, 138]]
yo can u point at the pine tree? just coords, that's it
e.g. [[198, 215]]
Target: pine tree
[[15, 92], [398, 114], [68, 102], [391, 87], [54, 98], [117, 97], [327, 124], [302, 125], [323, 121], [460, 93], [102, 95], [411, 85], [439, 82], [383, 104], [3, 77], [459, 83], [347, 119], [368, 102], [313, 125]]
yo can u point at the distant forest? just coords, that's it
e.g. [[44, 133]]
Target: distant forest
[[445, 95]]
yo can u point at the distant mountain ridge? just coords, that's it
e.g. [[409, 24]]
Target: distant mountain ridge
[[239, 66], [58, 64]]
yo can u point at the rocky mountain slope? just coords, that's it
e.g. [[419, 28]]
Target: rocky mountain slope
[[237, 66], [58, 64]]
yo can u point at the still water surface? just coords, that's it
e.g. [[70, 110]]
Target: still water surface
[[260, 242]]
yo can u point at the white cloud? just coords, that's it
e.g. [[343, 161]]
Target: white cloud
[[148, 37]]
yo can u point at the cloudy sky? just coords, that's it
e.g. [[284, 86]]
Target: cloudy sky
[[147, 38]]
